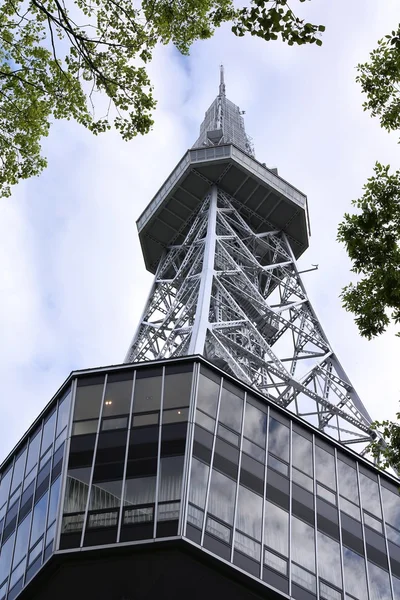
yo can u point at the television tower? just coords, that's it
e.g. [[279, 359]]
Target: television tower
[[222, 237]]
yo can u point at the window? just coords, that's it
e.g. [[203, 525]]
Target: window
[[63, 413], [255, 425], [48, 432], [140, 490], [249, 513], [88, 398], [5, 558], [325, 467], [177, 387], [348, 486], [76, 491], [222, 497], [198, 482], [354, 574], [207, 396], [21, 543], [39, 519], [33, 452], [54, 495], [379, 585], [18, 473], [147, 395], [117, 398], [276, 528], [231, 409], [171, 471], [302, 453], [370, 495], [278, 442], [5, 486], [329, 559], [303, 544]]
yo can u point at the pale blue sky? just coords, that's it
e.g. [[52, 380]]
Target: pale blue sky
[[73, 282]]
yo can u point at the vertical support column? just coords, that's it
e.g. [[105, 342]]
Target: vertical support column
[[199, 330]]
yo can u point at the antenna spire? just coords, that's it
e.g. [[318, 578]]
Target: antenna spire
[[221, 81]]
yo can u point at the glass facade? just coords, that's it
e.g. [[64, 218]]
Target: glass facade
[[29, 496], [176, 449]]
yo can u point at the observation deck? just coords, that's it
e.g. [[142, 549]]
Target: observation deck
[[264, 200]]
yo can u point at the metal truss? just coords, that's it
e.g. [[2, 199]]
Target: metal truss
[[237, 298]]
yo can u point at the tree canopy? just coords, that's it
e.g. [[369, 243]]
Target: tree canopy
[[59, 62], [372, 241]]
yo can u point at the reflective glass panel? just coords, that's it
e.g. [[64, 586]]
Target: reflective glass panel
[[18, 473], [195, 516], [349, 508], [276, 529], [302, 453], [325, 467], [255, 425], [275, 562], [207, 395], [177, 388], [17, 574], [278, 440], [114, 423], [253, 450], [5, 486], [76, 491], [39, 519], [33, 452], [117, 398], [63, 413], [303, 578], [329, 559], [105, 494], [88, 399], [83, 427], [247, 546], [348, 481], [147, 395], [231, 409], [205, 421], [198, 482], [396, 588], [21, 543], [171, 471], [302, 479], [303, 544], [328, 593], [5, 558], [48, 433], [370, 495], [391, 505], [222, 496], [35, 552], [379, 585], [249, 513], [140, 490], [54, 495], [354, 574], [218, 530]]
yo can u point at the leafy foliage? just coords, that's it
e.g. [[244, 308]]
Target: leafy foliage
[[380, 78], [372, 243], [386, 449], [60, 63]]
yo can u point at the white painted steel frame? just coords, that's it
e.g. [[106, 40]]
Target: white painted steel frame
[[237, 298]]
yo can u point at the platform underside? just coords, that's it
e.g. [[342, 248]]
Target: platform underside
[[261, 197]]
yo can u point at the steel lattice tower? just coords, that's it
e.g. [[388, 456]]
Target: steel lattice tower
[[222, 237]]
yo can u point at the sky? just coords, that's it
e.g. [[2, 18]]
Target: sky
[[73, 283]]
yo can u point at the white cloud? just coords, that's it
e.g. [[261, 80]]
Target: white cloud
[[73, 281]]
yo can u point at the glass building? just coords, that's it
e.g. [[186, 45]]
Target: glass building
[[179, 455]]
